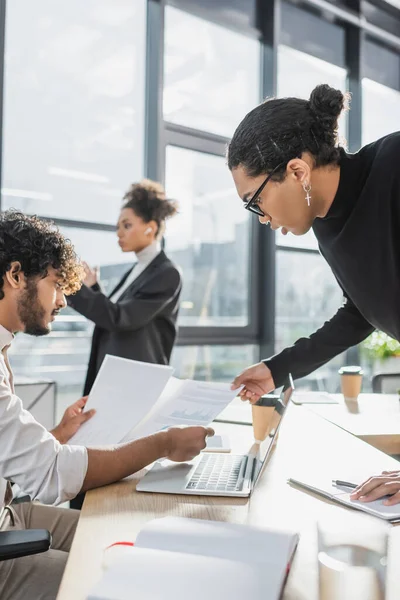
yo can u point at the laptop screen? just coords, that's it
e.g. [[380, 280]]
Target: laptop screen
[[264, 450]]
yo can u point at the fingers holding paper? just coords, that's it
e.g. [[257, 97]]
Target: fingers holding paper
[[257, 381], [379, 486], [73, 418], [184, 443]]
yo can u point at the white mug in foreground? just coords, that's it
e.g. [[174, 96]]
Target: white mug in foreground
[[351, 382]]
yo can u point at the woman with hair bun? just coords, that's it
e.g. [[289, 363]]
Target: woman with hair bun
[[289, 170], [138, 319]]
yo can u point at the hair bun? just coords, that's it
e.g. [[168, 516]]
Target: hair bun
[[326, 102]]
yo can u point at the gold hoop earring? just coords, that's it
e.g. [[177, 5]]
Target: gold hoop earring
[[307, 189]]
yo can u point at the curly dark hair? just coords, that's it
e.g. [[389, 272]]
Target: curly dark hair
[[147, 200], [37, 245], [281, 129]]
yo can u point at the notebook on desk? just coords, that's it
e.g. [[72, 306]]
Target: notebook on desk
[[341, 495], [176, 558]]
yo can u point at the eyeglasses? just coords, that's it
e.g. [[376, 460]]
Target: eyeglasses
[[252, 204]]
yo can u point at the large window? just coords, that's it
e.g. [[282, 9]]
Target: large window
[[74, 106], [209, 239], [306, 295], [83, 119], [73, 142], [212, 363], [211, 74], [381, 110], [381, 92]]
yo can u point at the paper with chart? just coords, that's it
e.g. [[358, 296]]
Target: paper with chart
[[188, 403], [123, 393]]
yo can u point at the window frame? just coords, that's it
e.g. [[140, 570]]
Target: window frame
[[158, 134]]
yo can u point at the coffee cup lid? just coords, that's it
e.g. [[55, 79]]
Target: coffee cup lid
[[350, 370]]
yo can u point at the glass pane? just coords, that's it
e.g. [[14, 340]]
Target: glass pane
[[100, 248], [240, 13], [298, 74], [63, 354], [303, 304], [311, 34], [380, 111], [74, 106], [209, 239], [212, 363], [201, 89], [381, 65], [384, 16]]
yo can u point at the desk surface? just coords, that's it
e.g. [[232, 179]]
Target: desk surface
[[374, 418], [117, 512]]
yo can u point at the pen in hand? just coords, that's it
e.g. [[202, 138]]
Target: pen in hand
[[338, 482]]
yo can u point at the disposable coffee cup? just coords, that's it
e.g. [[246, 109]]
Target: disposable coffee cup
[[263, 413], [351, 381]]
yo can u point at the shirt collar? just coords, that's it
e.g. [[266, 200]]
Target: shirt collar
[[6, 337], [146, 255]]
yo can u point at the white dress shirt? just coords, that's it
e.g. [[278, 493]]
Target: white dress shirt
[[144, 258], [29, 455]]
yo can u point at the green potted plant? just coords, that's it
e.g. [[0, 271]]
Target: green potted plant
[[383, 352]]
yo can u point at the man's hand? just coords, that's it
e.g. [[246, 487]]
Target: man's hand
[[387, 484], [257, 381], [184, 443], [72, 420], [91, 275]]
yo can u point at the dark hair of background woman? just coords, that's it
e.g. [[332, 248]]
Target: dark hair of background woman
[[147, 200]]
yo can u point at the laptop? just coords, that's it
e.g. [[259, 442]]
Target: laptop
[[216, 474]]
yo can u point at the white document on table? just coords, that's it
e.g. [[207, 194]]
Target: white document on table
[[123, 394], [185, 402]]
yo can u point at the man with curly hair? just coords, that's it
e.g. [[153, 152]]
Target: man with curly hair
[[38, 267]]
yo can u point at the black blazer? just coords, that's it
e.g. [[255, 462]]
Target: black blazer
[[141, 325]]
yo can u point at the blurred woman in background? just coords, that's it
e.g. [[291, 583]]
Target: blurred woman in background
[[138, 319]]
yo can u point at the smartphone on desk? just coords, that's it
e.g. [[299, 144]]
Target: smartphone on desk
[[218, 443]]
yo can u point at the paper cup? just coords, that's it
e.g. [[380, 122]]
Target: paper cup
[[263, 413], [351, 382]]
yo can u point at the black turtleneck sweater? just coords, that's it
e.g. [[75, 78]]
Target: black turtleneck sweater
[[360, 240]]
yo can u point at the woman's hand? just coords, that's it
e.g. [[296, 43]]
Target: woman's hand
[[257, 381], [387, 484], [91, 275]]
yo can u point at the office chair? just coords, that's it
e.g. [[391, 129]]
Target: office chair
[[14, 544], [386, 383]]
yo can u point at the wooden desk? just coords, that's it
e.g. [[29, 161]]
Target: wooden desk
[[117, 512], [375, 418]]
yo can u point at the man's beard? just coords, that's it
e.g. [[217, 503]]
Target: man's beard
[[30, 312]]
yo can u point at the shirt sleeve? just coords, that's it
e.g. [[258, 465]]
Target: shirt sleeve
[[346, 328], [32, 457], [129, 313]]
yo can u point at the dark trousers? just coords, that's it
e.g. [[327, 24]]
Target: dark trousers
[[77, 502]]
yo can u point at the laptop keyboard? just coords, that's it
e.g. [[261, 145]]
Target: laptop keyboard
[[216, 473]]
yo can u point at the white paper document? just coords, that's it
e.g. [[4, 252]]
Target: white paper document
[[185, 403], [123, 393], [134, 399], [324, 487]]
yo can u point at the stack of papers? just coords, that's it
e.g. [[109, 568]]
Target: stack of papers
[[135, 399]]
